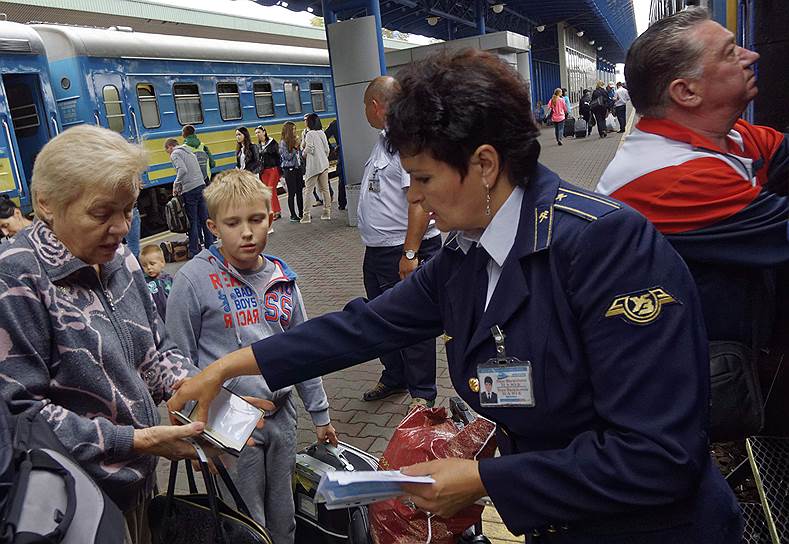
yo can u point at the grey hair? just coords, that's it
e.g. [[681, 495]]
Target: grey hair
[[662, 54]]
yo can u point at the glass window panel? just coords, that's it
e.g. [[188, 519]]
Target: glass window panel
[[264, 100], [229, 101], [188, 107], [149, 106], [318, 97], [113, 108], [292, 97]]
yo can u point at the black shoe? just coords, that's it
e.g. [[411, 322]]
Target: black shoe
[[341, 208], [559, 142], [381, 391]]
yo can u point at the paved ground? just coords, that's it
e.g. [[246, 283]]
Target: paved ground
[[327, 255]]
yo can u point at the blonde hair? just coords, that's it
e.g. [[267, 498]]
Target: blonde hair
[[234, 187], [600, 85], [84, 158], [556, 96], [151, 248]]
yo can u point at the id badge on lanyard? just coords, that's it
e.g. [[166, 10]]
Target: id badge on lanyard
[[504, 381], [374, 183]]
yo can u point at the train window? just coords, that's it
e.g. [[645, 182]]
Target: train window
[[149, 107], [229, 101], [188, 107], [264, 100], [318, 98], [292, 97], [113, 107]]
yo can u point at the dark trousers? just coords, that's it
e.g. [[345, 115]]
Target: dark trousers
[[558, 129], [342, 200], [621, 116], [294, 180], [197, 212], [415, 366], [599, 117]]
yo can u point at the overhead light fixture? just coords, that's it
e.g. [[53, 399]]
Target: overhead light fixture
[[310, 9], [432, 20], [591, 42], [283, 4], [540, 28], [579, 33], [599, 47], [497, 8]]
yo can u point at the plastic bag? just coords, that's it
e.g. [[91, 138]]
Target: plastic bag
[[426, 434], [611, 124]]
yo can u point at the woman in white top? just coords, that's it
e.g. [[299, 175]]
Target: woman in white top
[[316, 153]]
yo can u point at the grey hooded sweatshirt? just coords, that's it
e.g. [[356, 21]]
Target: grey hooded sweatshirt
[[213, 309]]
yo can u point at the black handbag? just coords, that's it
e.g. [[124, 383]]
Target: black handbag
[[202, 518], [736, 402]]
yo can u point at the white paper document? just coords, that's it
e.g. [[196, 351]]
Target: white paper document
[[339, 489]]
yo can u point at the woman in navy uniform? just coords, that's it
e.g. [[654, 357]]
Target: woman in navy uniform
[[602, 378]]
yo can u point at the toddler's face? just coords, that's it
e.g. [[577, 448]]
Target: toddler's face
[[152, 264]]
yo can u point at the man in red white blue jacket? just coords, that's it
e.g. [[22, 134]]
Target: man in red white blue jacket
[[714, 184]]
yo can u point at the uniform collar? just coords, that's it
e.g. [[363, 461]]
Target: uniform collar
[[499, 236], [535, 226], [675, 131]]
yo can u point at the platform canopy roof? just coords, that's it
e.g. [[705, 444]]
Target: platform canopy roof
[[611, 23]]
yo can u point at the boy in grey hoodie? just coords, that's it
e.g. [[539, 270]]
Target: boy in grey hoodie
[[228, 297]]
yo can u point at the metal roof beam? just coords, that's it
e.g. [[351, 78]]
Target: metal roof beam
[[438, 12]]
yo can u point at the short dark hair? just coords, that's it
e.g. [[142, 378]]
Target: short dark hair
[[314, 122], [452, 103], [663, 53], [171, 141], [7, 207], [187, 131], [489, 380]]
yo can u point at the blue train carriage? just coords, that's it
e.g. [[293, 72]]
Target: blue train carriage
[[28, 115], [148, 86]]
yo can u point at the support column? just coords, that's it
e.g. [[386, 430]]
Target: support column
[[356, 53], [479, 7], [560, 39]]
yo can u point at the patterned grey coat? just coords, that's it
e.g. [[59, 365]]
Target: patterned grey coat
[[91, 349]]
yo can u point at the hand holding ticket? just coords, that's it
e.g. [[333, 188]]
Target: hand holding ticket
[[344, 489]]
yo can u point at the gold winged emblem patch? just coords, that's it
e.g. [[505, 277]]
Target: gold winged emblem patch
[[642, 307]]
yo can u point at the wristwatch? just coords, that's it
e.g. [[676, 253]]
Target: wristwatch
[[410, 254]]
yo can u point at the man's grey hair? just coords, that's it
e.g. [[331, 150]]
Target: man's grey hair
[[662, 54]]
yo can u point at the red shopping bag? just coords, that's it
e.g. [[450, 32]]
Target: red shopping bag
[[426, 434]]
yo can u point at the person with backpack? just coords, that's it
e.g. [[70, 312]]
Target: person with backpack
[[189, 185], [204, 157], [585, 110], [599, 104]]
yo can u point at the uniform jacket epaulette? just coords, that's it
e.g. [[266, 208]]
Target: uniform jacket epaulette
[[583, 204]]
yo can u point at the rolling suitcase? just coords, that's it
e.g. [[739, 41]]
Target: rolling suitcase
[[581, 128], [314, 523], [569, 126]]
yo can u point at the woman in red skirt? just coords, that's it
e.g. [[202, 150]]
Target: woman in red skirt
[[270, 172]]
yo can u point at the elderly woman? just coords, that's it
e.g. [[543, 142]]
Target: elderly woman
[[79, 333], [580, 313]]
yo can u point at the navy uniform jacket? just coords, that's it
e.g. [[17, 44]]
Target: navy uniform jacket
[[608, 315]]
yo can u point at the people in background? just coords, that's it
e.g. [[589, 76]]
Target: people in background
[[271, 168], [293, 169], [247, 156], [189, 184], [599, 105], [316, 171], [558, 114], [585, 110], [159, 283], [204, 157], [12, 220], [621, 98]]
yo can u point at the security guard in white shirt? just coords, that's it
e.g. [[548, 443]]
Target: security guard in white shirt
[[397, 238]]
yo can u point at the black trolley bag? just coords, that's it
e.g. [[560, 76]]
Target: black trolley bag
[[45, 495], [314, 523], [569, 126], [581, 128]]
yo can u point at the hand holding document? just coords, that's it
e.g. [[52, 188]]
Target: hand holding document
[[345, 489]]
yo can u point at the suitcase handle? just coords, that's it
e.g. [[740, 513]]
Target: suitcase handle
[[337, 454]]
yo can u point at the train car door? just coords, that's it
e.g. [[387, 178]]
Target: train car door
[[26, 128], [113, 111]]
